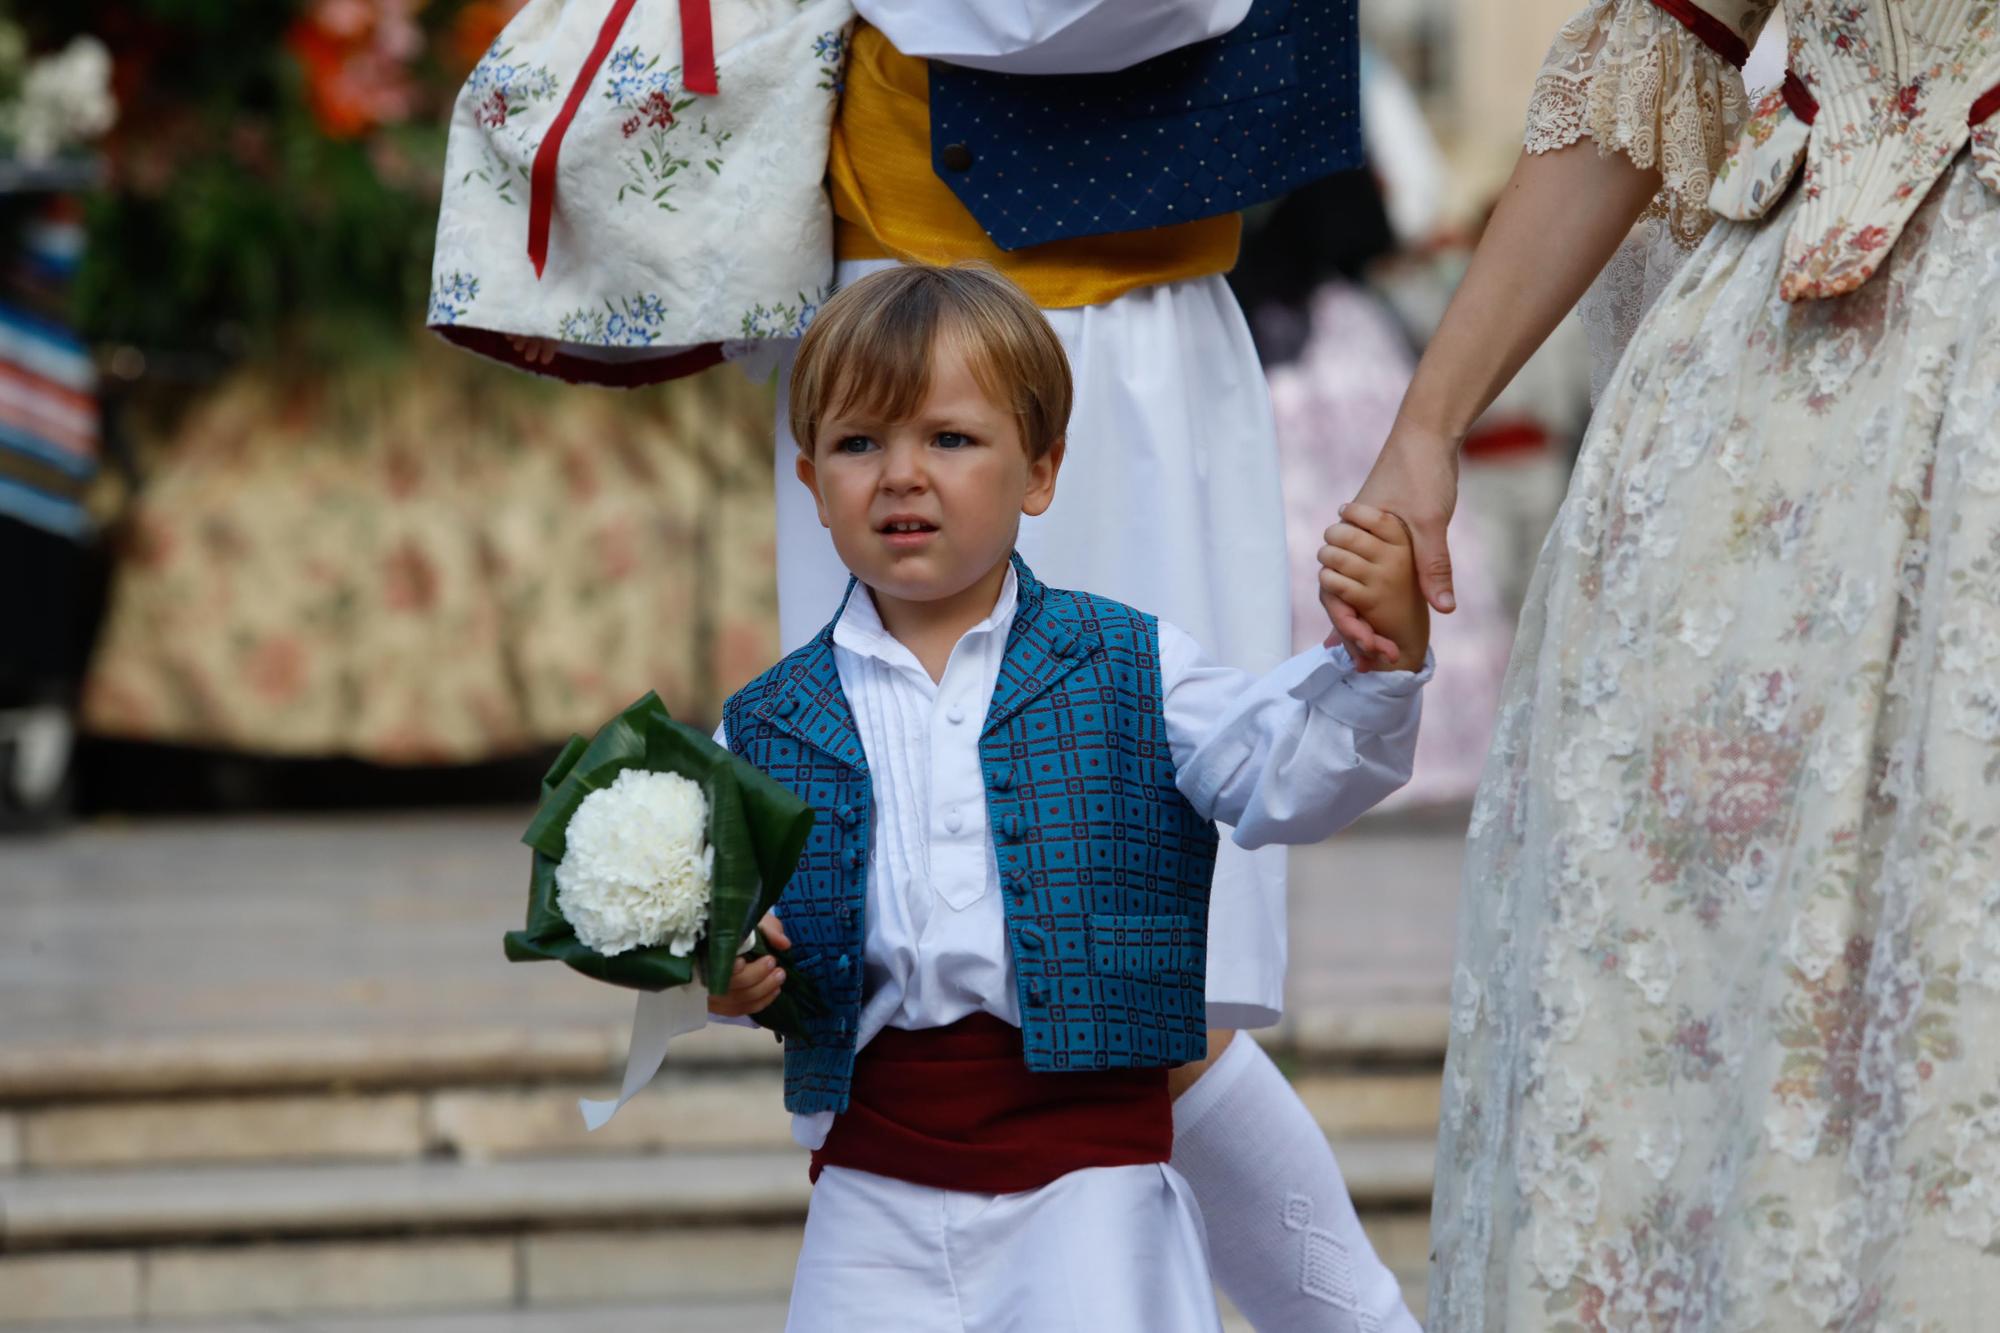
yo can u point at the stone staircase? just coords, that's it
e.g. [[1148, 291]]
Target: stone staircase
[[438, 1182]]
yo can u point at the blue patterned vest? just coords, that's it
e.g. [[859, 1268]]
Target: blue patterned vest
[[1211, 128], [1104, 866]]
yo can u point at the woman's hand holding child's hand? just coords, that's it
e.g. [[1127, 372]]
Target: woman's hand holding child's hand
[[752, 986], [1369, 565]]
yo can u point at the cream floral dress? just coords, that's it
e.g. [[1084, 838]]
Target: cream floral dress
[[1724, 1053]]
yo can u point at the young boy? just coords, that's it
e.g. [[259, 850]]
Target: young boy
[[1005, 899]]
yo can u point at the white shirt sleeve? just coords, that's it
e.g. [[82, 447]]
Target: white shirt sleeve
[[1294, 755], [1049, 36]]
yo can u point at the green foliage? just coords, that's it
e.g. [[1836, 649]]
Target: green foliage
[[238, 218]]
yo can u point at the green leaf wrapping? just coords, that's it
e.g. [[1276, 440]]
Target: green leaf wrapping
[[757, 830]]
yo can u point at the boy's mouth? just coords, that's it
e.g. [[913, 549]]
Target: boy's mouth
[[906, 532]]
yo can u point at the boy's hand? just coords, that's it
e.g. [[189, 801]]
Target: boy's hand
[[1369, 563], [752, 986]]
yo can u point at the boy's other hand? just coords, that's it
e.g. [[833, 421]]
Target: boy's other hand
[[753, 985], [1369, 565]]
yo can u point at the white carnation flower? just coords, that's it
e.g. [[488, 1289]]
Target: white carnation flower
[[635, 871]]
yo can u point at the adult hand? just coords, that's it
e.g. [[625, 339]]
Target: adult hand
[[1415, 477]]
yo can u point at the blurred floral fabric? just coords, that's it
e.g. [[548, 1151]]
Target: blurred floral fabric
[[438, 564]]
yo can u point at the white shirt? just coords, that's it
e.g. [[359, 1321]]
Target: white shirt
[[1289, 757], [1049, 36]]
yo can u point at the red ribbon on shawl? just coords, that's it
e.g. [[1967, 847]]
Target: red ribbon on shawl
[[697, 48], [697, 75]]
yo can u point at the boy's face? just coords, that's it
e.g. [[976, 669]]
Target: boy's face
[[921, 510]]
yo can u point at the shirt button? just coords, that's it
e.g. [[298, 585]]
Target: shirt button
[[954, 714], [953, 820]]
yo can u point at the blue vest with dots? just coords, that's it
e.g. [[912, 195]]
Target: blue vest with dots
[[1211, 128], [1104, 866]]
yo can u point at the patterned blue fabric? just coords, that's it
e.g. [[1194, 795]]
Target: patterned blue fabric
[[1211, 128], [1104, 865]]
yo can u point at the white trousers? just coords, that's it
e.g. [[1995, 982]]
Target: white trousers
[[1169, 501], [1116, 1249]]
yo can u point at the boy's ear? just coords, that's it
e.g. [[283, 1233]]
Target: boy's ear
[[1042, 479], [809, 476]]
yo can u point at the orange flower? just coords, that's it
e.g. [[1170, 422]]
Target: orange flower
[[473, 31], [356, 55]]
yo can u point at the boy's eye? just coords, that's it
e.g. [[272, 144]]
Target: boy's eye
[[951, 439], [853, 444]]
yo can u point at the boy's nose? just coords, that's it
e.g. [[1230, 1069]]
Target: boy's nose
[[903, 470]]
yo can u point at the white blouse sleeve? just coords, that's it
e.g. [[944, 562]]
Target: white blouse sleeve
[[1662, 88], [1294, 755], [1048, 36]]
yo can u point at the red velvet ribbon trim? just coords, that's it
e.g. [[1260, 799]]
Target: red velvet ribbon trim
[[1806, 107], [697, 48], [1985, 107], [542, 180], [1799, 98], [573, 369], [1716, 35]]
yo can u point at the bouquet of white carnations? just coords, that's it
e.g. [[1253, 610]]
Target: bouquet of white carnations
[[656, 852]]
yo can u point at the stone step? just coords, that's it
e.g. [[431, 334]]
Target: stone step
[[688, 1109], [528, 1277], [668, 1317], [215, 1203], [55, 1210], [426, 1057], [658, 1317]]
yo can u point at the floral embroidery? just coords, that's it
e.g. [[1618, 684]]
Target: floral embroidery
[[500, 89], [782, 320], [830, 50], [654, 103], [451, 295], [633, 321]]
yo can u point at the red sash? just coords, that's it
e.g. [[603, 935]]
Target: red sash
[[957, 1108]]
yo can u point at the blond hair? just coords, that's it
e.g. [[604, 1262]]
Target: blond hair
[[870, 349]]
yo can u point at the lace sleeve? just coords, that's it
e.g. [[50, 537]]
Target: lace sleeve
[[1622, 294], [1658, 81]]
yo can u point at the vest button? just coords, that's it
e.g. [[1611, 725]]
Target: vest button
[[845, 814], [955, 157], [1037, 997], [786, 707], [1003, 778]]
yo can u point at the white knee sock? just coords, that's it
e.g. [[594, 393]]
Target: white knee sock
[[1282, 1233]]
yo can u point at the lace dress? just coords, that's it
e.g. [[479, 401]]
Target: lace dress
[[1730, 953]]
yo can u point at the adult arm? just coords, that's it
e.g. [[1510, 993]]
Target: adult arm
[[1654, 87], [1294, 755], [1048, 36]]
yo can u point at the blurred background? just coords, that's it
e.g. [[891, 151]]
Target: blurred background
[[298, 602]]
